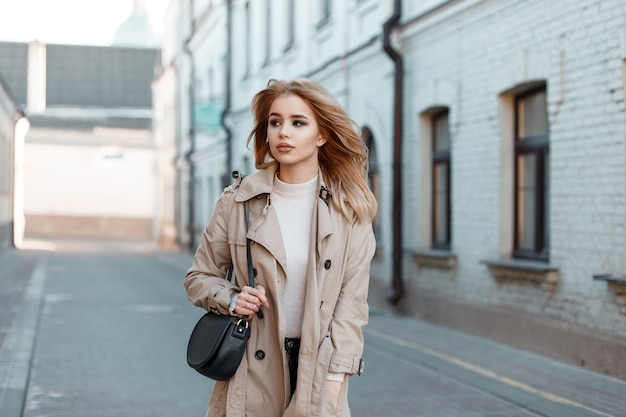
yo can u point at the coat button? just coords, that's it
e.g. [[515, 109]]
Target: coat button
[[327, 264], [259, 354]]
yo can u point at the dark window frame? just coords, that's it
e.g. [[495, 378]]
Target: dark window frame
[[441, 157], [373, 174], [539, 146], [248, 34], [268, 32], [326, 11], [291, 24]]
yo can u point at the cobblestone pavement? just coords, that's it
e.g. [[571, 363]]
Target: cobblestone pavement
[[100, 329]]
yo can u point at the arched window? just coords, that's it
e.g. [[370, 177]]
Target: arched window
[[326, 9], [373, 174], [441, 201], [532, 157]]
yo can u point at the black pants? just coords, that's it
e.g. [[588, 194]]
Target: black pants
[[292, 348]]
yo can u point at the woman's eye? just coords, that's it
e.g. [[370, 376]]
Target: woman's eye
[[274, 123], [298, 123]]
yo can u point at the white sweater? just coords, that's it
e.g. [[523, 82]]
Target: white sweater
[[294, 205]]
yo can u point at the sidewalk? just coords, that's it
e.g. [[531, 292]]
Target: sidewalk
[[20, 300], [524, 380], [91, 330]]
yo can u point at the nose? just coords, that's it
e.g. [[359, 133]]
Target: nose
[[284, 131]]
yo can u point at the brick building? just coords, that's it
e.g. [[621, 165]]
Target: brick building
[[498, 125]]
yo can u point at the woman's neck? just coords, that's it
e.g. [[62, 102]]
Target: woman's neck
[[296, 176]]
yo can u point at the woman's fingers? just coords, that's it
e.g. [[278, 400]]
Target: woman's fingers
[[250, 301], [248, 305], [254, 296], [261, 296]]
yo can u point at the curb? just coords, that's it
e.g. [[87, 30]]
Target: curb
[[17, 350]]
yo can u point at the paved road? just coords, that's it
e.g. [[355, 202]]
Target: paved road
[[98, 330]]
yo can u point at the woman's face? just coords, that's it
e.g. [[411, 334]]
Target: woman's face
[[294, 137]]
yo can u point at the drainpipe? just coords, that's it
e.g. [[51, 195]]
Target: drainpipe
[[397, 286], [228, 93], [191, 245]]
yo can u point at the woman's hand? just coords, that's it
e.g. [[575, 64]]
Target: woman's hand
[[250, 301]]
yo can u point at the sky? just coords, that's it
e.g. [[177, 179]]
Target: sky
[[84, 22]]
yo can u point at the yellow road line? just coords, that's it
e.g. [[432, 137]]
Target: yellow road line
[[481, 371]]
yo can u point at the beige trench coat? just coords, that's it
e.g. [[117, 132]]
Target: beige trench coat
[[335, 309]]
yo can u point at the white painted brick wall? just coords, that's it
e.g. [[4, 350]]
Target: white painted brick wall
[[485, 49], [464, 55]]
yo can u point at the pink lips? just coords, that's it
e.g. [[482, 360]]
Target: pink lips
[[284, 147]]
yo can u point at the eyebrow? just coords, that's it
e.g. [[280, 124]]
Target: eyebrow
[[293, 116]]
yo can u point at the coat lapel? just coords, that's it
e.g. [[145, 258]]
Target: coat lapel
[[324, 224], [265, 230]]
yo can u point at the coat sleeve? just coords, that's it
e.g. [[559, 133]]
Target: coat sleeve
[[352, 311], [204, 282]]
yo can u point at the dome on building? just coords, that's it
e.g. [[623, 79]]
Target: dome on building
[[136, 30]]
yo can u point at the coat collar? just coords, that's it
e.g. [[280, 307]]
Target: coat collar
[[262, 182]]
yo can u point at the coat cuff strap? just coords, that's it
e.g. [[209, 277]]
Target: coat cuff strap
[[346, 364]]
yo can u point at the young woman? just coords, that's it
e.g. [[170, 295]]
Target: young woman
[[312, 243]]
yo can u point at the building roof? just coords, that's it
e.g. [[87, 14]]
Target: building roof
[[14, 68], [9, 100], [98, 85], [99, 76], [89, 123]]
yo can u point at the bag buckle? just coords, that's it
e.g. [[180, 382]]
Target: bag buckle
[[245, 322], [240, 330]]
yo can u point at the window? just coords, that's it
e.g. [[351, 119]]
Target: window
[[441, 231], [326, 10], [291, 24], [248, 58], [268, 31], [531, 231], [373, 174], [211, 84]]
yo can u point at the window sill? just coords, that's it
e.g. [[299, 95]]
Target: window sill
[[616, 285], [512, 270], [324, 30], [363, 7], [289, 47], [323, 24], [433, 258]]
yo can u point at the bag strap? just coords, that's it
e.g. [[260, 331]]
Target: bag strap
[[251, 271], [248, 250]]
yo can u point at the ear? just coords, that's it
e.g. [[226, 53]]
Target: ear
[[321, 140]]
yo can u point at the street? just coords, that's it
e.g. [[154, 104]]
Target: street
[[100, 329]]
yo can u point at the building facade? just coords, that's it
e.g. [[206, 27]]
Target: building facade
[[497, 150], [13, 128], [89, 155]]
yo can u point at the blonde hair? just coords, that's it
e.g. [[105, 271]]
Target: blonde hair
[[343, 159]]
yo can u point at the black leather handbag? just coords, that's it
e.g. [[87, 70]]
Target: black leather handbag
[[218, 342]]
